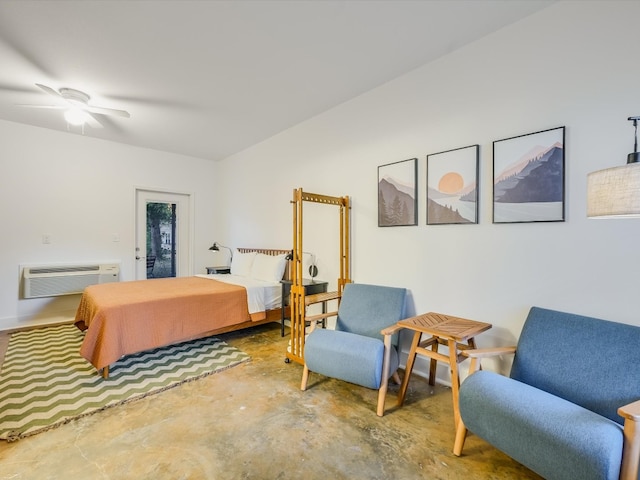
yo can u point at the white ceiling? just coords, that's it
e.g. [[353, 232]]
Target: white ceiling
[[211, 78]]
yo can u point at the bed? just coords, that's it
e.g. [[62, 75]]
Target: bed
[[130, 317]]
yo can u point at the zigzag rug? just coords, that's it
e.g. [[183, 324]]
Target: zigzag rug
[[45, 383]]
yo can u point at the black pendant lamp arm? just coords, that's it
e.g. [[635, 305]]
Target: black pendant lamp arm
[[635, 156]]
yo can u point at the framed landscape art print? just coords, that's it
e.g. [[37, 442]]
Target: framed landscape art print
[[397, 193], [452, 186], [528, 178]]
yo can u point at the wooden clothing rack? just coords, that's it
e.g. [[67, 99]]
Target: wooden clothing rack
[[298, 301]]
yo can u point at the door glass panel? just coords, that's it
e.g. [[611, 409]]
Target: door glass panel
[[161, 240], [163, 234]]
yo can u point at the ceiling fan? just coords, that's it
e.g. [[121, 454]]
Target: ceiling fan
[[78, 111]]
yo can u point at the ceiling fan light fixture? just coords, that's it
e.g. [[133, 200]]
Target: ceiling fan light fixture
[[74, 96], [78, 112], [75, 116]]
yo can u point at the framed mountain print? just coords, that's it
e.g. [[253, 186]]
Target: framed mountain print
[[452, 186], [528, 178], [397, 193]]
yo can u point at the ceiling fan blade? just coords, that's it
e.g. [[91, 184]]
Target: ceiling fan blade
[[13, 88], [49, 90], [92, 121], [54, 107], [107, 111]]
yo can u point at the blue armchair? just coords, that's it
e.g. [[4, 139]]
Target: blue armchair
[[570, 408], [362, 348]]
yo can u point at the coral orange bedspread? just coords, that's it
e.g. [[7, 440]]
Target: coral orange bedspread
[[130, 317]]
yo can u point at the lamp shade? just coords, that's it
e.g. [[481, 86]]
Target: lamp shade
[[614, 192]]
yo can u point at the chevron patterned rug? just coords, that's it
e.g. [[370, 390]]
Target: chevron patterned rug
[[45, 383]]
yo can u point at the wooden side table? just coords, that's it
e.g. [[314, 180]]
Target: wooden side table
[[454, 332]]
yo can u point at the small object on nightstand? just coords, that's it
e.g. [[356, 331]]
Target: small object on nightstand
[[211, 270]]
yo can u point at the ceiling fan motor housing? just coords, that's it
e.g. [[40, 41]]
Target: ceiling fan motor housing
[[74, 96]]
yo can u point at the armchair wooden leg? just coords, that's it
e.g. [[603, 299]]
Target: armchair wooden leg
[[461, 435], [631, 446], [384, 384], [382, 395], [305, 378]]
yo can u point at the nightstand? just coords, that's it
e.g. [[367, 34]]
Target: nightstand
[[211, 270], [311, 287]]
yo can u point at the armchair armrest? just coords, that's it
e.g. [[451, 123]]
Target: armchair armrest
[[388, 333], [631, 446], [488, 352], [320, 316], [391, 329], [314, 319], [477, 354], [630, 411]]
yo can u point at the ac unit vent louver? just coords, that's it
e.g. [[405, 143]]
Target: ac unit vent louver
[[52, 281], [87, 268]]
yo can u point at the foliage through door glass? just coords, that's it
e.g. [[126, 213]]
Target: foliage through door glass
[[161, 240]]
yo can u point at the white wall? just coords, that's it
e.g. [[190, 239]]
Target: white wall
[[573, 64], [80, 191]]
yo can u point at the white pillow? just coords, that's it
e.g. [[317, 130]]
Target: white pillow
[[268, 268], [241, 263]]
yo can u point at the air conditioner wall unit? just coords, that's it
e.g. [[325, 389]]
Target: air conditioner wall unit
[[54, 280]]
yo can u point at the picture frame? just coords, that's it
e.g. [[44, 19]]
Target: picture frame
[[452, 186], [398, 193], [529, 177]]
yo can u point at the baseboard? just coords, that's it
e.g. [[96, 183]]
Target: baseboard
[[27, 322]]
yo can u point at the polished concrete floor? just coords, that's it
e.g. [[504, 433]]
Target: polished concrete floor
[[253, 422]]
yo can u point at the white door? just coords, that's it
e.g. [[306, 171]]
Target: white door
[[165, 243]]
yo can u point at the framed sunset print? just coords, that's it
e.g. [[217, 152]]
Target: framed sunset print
[[528, 177], [452, 186], [397, 193]]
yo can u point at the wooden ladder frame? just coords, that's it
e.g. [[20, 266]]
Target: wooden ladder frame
[[298, 302]]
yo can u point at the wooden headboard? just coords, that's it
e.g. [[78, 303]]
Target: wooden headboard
[[274, 252]]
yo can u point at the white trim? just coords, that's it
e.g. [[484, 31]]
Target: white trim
[[186, 265]]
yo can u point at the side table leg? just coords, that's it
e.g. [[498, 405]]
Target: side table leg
[[407, 372], [433, 363], [455, 379]]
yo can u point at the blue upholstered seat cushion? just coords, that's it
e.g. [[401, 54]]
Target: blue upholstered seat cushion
[[347, 356], [553, 437]]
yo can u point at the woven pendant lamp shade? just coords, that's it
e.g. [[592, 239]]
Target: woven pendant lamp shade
[[614, 192]]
